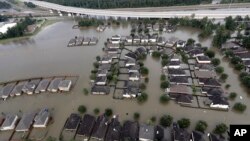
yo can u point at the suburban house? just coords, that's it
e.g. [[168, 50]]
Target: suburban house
[[230, 45], [161, 41], [25, 123], [209, 82], [129, 39], [244, 56], [210, 91], [141, 51], [114, 132], [6, 90], [173, 65], [156, 27], [196, 52], [130, 130], [217, 102], [203, 67], [42, 118], [203, 59], [175, 72], [153, 38], [136, 39], [180, 134], [116, 46], [78, 41], [102, 73], [43, 85], [135, 68], [101, 80], [93, 41], [130, 62], [134, 76], [100, 128], [53, 86], [204, 74], [106, 59], [171, 42], [104, 67], [115, 39], [146, 132], [180, 44], [86, 127], [213, 137], [17, 90], [100, 90], [72, 122], [86, 41], [179, 80], [239, 50], [198, 136], [130, 92], [112, 50], [131, 55], [181, 93], [159, 133], [65, 85], [144, 39], [9, 122], [188, 48], [30, 87]]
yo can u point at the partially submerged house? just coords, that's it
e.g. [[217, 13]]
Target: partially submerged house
[[146, 132], [30, 87], [65, 85], [114, 130], [134, 76], [179, 80], [130, 130], [217, 102], [54, 84], [180, 134], [9, 122], [106, 59], [100, 90], [17, 91], [101, 80], [130, 62], [25, 123], [203, 59], [42, 86], [6, 90], [181, 93], [175, 72], [204, 74], [196, 52], [131, 55], [100, 128], [130, 92], [86, 126], [209, 82], [42, 118], [180, 44], [72, 122], [198, 136]]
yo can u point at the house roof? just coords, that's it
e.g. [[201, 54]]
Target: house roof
[[159, 133], [214, 137], [102, 72], [146, 132], [176, 71], [212, 91], [180, 134], [130, 60], [218, 100], [134, 67], [178, 79], [72, 122], [188, 48], [229, 45], [174, 63], [114, 130], [210, 81], [203, 58], [65, 83], [42, 116], [100, 128], [129, 37], [5, 91], [198, 136], [104, 67], [244, 55], [204, 74], [131, 55], [101, 79], [9, 119], [131, 90], [195, 51], [26, 121], [130, 130], [179, 89], [204, 66], [134, 84], [183, 98], [106, 58], [99, 89], [134, 74], [141, 50], [247, 62], [86, 126]]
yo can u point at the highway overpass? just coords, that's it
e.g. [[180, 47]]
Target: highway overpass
[[106, 13]]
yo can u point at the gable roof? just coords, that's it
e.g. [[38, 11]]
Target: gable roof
[[179, 89], [204, 74], [72, 122], [114, 130], [86, 126], [197, 136], [100, 128], [42, 116], [26, 121], [146, 132], [9, 119], [176, 71], [100, 89], [178, 79], [130, 130]]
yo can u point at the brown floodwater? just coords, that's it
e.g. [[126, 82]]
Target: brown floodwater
[[46, 54]]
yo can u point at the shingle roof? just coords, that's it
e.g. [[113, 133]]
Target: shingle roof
[[130, 130], [9, 119], [179, 89], [86, 125], [204, 74], [114, 130], [26, 121], [146, 132], [42, 116], [100, 128], [178, 79], [72, 122]]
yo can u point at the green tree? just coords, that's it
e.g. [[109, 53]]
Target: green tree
[[221, 36], [224, 76], [246, 42], [235, 60], [142, 86], [239, 67], [142, 98], [230, 24], [166, 120], [184, 123], [164, 84], [164, 56], [201, 126], [96, 111], [210, 53], [153, 119], [164, 99], [220, 128], [190, 41], [156, 54], [82, 109], [164, 62], [215, 61], [239, 107], [219, 69], [85, 91], [144, 71], [108, 112], [136, 116], [163, 77], [232, 95]]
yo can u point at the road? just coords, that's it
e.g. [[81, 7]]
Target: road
[[216, 14]]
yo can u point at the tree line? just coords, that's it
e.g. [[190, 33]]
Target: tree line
[[104, 4], [4, 5], [235, 1], [19, 29]]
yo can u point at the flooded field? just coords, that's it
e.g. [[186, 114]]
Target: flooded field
[[47, 54]]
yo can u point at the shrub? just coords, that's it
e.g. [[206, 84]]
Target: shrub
[[142, 98], [142, 86], [144, 71], [224, 76], [210, 53], [164, 99], [156, 54], [108, 112], [166, 120], [239, 107], [146, 80], [220, 128], [227, 86], [232, 95], [164, 62], [219, 69], [184, 123], [163, 77], [153, 119], [96, 111], [85, 91], [239, 67], [136, 116], [164, 56], [201, 126], [82, 109], [164, 84], [215, 61]]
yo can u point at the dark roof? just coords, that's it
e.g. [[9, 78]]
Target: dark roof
[[244, 55], [134, 84], [104, 67], [176, 71], [86, 125], [101, 79], [215, 91], [102, 89], [72, 122], [195, 51], [213, 137], [171, 63], [198, 136], [141, 50], [130, 130], [209, 82], [247, 62], [180, 134], [100, 128], [159, 133], [131, 90], [218, 100], [146, 132], [184, 98], [114, 131], [134, 67], [188, 48], [203, 58], [131, 55], [239, 50], [204, 66], [178, 79]]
